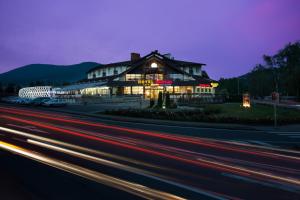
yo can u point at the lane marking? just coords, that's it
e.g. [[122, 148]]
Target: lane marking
[[250, 180], [261, 143], [29, 128], [287, 134], [284, 132]]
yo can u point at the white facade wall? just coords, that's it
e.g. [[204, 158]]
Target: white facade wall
[[108, 70]]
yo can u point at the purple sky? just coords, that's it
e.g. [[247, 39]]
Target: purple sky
[[229, 36]]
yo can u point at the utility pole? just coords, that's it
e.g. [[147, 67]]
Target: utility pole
[[238, 86]]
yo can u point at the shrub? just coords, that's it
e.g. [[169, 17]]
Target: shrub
[[168, 100], [212, 109], [159, 100], [152, 102]]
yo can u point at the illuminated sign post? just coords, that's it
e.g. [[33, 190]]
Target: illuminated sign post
[[246, 100]]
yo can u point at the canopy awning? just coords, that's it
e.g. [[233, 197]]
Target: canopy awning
[[83, 86]]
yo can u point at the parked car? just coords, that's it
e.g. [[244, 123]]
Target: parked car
[[25, 101], [39, 101], [54, 103]]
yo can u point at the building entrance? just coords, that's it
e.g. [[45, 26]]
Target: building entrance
[[152, 92]]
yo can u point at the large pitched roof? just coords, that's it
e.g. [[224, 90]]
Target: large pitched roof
[[172, 62]]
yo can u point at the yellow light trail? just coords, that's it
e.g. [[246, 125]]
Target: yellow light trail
[[120, 184], [80, 148]]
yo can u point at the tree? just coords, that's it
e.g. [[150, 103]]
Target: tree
[[159, 100], [168, 100], [279, 72], [10, 89], [1, 89]]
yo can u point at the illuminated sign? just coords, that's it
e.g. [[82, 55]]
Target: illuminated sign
[[214, 84], [204, 85], [275, 97], [246, 100], [145, 82], [164, 82]]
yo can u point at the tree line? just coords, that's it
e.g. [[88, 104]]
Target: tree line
[[280, 73]]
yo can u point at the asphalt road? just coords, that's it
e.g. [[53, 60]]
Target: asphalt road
[[69, 156]]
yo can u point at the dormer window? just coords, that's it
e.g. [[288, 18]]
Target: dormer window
[[103, 74], [115, 72], [153, 65]]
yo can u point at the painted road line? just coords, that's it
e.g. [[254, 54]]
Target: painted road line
[[273, 185], [294, 136], [287, 134], [261, 143], [133, 188], [29, 128], [284, 132]]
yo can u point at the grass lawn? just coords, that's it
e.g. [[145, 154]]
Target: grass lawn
[[257, 111], [220, 113]]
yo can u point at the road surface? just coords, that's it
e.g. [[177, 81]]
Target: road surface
[[136, 160]]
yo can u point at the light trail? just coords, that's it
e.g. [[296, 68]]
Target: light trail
[[126, 186], [84, 149], [115, 143], [124, 168], [204, 163], [173, 137], [80, 148]]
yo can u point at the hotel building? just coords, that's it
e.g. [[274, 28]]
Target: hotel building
[[148, 76]]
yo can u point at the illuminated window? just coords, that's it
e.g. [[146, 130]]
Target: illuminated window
[[170, 89], [153, 65], [135, 90], [154, 76], [133, 77], [95, 91], [176, 76]]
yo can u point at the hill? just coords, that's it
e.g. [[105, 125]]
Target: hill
[[47, 74]]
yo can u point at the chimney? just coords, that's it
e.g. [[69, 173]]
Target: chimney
[[168, 55], [135, 56]]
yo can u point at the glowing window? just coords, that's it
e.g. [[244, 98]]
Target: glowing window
[[153, 65]]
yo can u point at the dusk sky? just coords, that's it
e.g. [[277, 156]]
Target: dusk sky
[[230, 36]]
